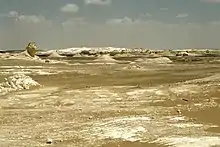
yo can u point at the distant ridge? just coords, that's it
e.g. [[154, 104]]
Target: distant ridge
[[15, 51]]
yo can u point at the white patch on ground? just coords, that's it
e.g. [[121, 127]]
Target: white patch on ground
[[159, 60], [136, 92], [100, 63], [119, 128], [177, 118], [212, 78], [22, 67], [38, 70], [42, 98], [110, 98], [185, 89], [181, 141], [140, 128], [45, 73], [183, 125], [83, 103], [34, 71]]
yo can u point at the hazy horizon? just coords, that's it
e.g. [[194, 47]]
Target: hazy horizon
[[118, 23]]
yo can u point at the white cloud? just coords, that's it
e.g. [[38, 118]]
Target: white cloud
[[25, 18], [13, 14], [140, 21], [128, 21], [125, 20], [31, 18], [70, 8], [74, 21], [98, 2], [182, 15], [148, 15]]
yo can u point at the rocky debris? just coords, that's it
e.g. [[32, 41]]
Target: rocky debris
[[186, 53], [160, 60], [47, 61], [186, 100], [182, 54], [49, 141], [17, 82]]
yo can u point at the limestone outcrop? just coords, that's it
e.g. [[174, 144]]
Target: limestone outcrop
[[17, 82], [31, 49]]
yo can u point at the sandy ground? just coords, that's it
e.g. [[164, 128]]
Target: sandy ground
[[133, 104]]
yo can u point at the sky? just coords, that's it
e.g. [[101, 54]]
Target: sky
[[117, 23]]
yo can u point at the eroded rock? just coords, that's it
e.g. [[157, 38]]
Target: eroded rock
[[17, 82], [31, 49], [54, 54]]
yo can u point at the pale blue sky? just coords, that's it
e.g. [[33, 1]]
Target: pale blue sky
[[120, 23]]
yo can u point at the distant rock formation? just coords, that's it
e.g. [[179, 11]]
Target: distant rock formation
[[167, 53], [105, 58], [182, 54], [31, 49], [54, 54], [17, 82], [29, 53]]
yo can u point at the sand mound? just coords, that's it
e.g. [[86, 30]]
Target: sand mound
[[160, 60], [17, 82], [167, 53], [54, 54], [105, 58]]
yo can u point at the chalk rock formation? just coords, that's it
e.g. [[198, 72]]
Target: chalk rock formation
[[54, 54], [28, 54], [105, 58], [31, 49], [17, 82], [167, 53]]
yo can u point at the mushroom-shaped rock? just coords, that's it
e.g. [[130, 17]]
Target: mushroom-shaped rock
[[31, 49]]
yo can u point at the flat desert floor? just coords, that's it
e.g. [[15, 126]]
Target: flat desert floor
[[128, 104]]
